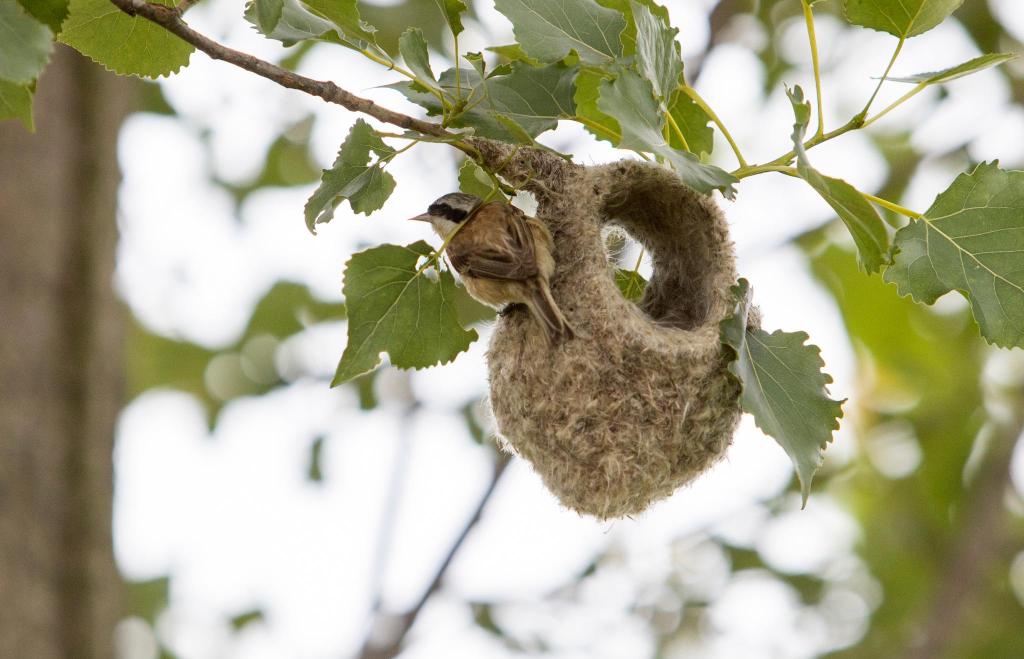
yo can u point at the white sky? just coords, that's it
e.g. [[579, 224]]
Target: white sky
[[231, 515]]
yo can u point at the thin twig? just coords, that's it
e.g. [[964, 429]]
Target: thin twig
[[390, 649], [170, 19]]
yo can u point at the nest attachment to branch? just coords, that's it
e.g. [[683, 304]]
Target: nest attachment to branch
[[640, 403]]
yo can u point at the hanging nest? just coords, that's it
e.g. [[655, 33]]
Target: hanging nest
[[640, 403]]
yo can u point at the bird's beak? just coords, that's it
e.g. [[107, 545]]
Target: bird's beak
[[423, 217]]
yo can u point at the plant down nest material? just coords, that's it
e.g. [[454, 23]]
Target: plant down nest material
[[640, 403]]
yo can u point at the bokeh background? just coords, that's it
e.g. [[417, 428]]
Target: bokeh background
[[259, 513]]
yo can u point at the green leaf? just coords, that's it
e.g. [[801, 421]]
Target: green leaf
[[16, 103], [452, 10], [859, 216], [393, 309], [474, 180], [295, 24], [901, 18], [631, 284], [344, 14], [268, 13], [630, 101], [25, 44], [657, 54], [413, 48], [588, 91], [514, 53], [625, 7], [512, 108], [352, 177], [979, 63], [783, 387], [550, 29], [128, 45], [49, 12], [971, 240], [693, 122]]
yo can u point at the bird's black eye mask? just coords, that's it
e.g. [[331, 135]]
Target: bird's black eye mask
[[447, 212]]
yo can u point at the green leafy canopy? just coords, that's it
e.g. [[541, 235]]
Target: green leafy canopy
[[395, 308], [783, 387], [971, 240]]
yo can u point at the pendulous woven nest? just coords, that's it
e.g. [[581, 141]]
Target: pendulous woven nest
[[640, 403]]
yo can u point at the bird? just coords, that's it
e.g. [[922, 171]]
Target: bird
[[503, 256]]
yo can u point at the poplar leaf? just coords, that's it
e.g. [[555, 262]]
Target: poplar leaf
[[901, 18], [979, 63], [392, 309], [859, 216], [16, 103], [49, 12], [25, 44], [452, 10], [630, 101], [631, 284], [971, 240], [268, 13], [366, 186], [783, 387], [128, 45], [474, 180], [549, 29], [344, 14], [295, 24], [513, 108], [657, 53], [599, 124], [413, 48]]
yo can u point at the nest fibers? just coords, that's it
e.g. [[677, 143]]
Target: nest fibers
[[640, 403]]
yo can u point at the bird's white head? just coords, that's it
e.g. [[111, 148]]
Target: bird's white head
[[449, 211]]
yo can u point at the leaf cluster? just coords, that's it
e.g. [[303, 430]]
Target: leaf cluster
[[613, 66]]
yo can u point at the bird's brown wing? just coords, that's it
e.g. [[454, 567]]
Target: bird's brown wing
[[496, 244]]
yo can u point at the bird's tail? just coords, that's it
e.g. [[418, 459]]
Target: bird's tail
[[547, 313]]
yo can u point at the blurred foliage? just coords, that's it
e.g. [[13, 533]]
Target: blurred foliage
[[919, 383]]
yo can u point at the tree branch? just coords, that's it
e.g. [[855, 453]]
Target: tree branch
[[169, 18], [374, 648]]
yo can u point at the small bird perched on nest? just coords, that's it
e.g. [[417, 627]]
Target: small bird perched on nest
[[503, 256]]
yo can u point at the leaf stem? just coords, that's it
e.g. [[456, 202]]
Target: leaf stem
[[792, 171], [896, 208], [390, 63], [692, 93], [900, 101], [881, 81], [809, 20], [744, 172], [593, 125], [675, 129]]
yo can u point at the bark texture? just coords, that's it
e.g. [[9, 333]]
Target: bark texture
[[61, 336]]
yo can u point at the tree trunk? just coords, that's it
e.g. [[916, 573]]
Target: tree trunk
[[61, 335]]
